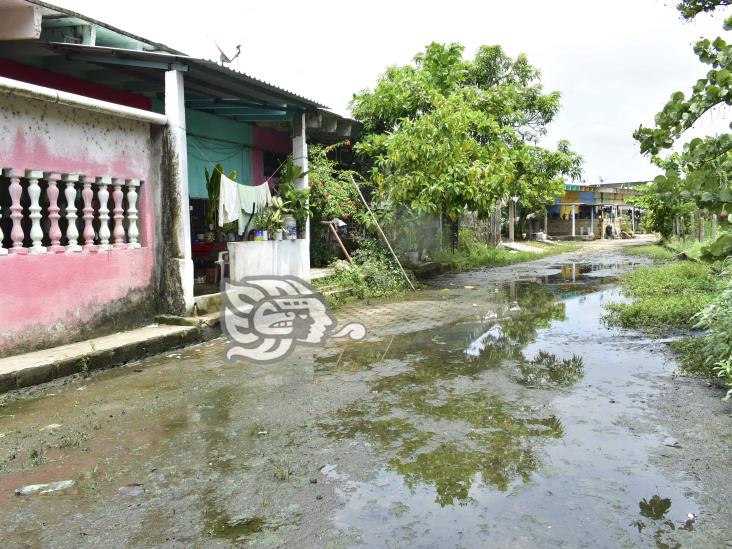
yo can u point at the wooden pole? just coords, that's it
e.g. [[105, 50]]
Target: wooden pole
[[338, 239], [383, 236]]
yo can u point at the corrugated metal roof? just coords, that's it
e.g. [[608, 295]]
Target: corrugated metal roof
[[180, 56], [203, 76]]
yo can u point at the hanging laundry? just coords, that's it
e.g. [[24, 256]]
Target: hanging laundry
[[252, 200], [228, 201]]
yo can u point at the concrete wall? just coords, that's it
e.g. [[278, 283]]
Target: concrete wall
[[49, 299]]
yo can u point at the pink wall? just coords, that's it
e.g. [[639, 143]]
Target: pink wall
[[48, 298], [266, 139]]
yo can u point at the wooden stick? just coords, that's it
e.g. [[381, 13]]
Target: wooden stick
[[338, 238], [383, 236]]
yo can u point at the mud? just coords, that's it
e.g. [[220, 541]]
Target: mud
[[503, 414]]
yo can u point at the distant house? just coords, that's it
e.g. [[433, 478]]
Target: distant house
[[104, 139], [594, 211]]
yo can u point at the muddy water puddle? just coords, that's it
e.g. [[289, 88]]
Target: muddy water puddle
[[524, 426], [514, 419]]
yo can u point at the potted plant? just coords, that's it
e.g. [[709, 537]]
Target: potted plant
[[298, 199]]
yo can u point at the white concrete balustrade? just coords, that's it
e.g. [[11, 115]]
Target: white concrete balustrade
[[52, 212]]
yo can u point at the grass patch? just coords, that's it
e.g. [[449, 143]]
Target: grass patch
[[681, 277], [656, 313], [691, 355], [656, 252], [666, 296], [474, 254]]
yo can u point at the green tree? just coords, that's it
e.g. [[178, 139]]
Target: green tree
[[699, 174], [445, 134]]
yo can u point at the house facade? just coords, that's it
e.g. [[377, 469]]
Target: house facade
[[105, 138], [593, 211]]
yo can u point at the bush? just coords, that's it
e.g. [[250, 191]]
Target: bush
[[666, 296], [715, 318], [656, 313], [691, 356], [373, 274]]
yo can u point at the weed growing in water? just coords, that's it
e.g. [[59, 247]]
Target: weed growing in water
[[546, 368]]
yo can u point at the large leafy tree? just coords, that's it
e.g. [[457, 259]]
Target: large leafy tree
[[445, 134], [699, 175]]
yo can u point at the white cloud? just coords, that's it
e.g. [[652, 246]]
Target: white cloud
[[616, 63]]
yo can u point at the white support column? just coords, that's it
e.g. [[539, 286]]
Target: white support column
[[34, 192], [574, 234], [72, 232], [176, 113], [546, 222], [132, 231], [300, 158], [103, 196], [714, 226]]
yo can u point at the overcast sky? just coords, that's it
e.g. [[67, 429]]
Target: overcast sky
[[615, 62]]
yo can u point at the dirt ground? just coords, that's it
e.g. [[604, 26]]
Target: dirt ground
[[491, 409]]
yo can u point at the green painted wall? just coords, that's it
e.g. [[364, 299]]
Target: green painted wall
[[212, 140]]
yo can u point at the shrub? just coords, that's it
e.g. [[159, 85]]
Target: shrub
[[715, 319]]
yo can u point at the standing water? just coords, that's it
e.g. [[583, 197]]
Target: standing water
[[484, 412]]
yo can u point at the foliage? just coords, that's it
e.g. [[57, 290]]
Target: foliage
[[666, 296], [656, 313], [698, 176], [691, 8], [690, 352], [272, 218], [680, 277], [719, 249], [472, 253], [657, 252], [715, 319], [374, 272], [332, 193], [213, 188], [445, 134], [298, 199]]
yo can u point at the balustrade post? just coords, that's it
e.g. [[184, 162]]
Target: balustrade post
[[103, 196], [54, 232], [72, 233], [132, 231], [34, 192], [88, 194], [3, 251], [16, 213], [119, 231]]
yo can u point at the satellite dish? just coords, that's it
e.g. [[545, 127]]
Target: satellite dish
[[223, 58]]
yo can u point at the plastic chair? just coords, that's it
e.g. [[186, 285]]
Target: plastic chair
[[222, 262]]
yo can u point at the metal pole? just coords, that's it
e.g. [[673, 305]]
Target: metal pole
[[383, 236]]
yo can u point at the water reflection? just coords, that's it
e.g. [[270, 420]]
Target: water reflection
[[439, 430], [659, 527]]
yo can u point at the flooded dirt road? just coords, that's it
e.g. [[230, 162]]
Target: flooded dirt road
[[493, 409]]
